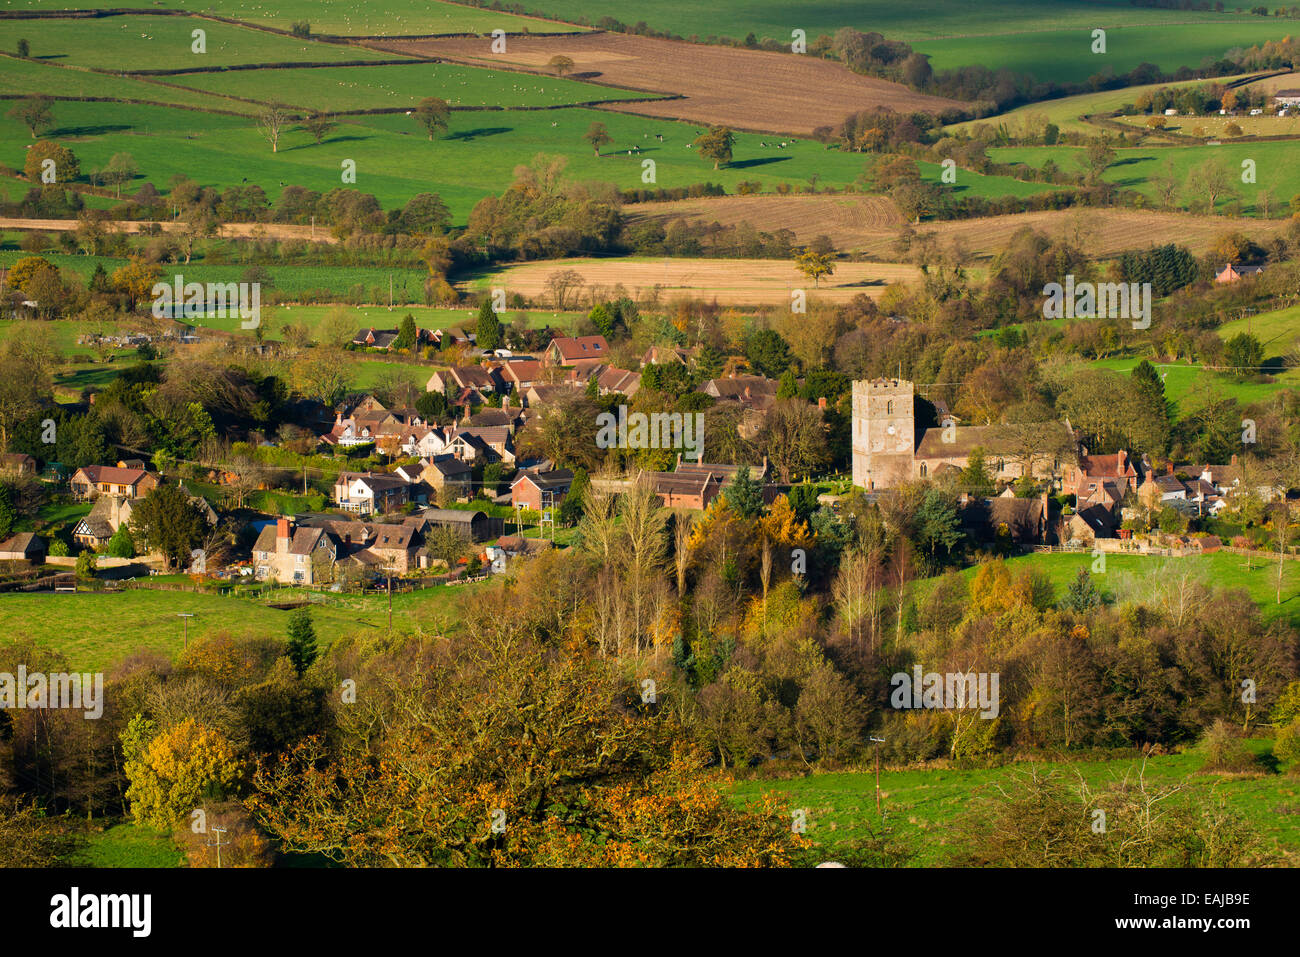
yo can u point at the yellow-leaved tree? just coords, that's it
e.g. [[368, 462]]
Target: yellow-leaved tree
[[172, 770]]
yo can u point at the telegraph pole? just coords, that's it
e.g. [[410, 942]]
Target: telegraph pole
[[186, 616], [218, 844]]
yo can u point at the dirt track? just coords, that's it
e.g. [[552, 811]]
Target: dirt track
[[270, 230], [745, 89], [864, 224]]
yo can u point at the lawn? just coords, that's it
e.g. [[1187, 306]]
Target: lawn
[[394, 161], [166, 43], [345, 17], [1277, 168], [146, 620], [340, 89], [920, 805]]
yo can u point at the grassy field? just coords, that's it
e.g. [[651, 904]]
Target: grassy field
[[124, 845], [23, 77], [919, 20], [395, 161], [1217, 126], [1184, 382], [344, 17], [379, 317], [145, 620], [338, 89], [1277, 331], [165, 43], [1065, 55], [1066, 111], [919, 805], [408, 284], [1219, 570], [1277, 167]]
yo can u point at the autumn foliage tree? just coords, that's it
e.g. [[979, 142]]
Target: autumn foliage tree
[[172, 770], [499, 750]]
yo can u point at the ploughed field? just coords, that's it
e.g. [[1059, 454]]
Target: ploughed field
[[870, 224], [744, 89]]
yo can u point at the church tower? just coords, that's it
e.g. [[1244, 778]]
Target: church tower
[[884, 433]]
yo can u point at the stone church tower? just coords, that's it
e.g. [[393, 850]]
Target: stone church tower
[[884, 433]]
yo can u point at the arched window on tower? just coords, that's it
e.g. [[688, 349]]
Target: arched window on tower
[[925, 470], [1002, 466]]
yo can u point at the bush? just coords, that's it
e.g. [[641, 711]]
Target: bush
[[1286, 746], [87, 565], [1225, 749]]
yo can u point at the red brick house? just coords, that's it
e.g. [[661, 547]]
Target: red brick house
[[537, 489]]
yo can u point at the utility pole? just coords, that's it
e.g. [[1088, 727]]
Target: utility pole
[[218, 844], [186, 616], [878, 743]]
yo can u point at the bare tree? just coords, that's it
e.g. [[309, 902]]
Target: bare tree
[[561, 283], [271, 122]]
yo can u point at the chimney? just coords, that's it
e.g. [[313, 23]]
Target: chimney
[[282, 528], [1169, 468], [821, 403], [505, 402], [1233, 460]]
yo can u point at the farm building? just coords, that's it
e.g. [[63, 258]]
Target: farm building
[[474, 525], [23, 547]]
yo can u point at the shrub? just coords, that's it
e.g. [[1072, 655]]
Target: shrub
[[1225, 749]]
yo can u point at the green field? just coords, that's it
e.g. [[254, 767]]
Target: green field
[[289, 279], [919, 20], [124, 845], [145, 620], [1277, 167], [1065, 55], [24, 77], [1066, 111], [380, 317], [1183, 382], [1218, 570], [166, 43], [344, 17], [340, 89], [1278, 331], [394, 161], [919, 805]]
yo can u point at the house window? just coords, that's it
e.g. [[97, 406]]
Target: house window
[[889, 407], [1002, 466]]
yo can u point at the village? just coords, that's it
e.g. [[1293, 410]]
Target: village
[[465, 482]]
